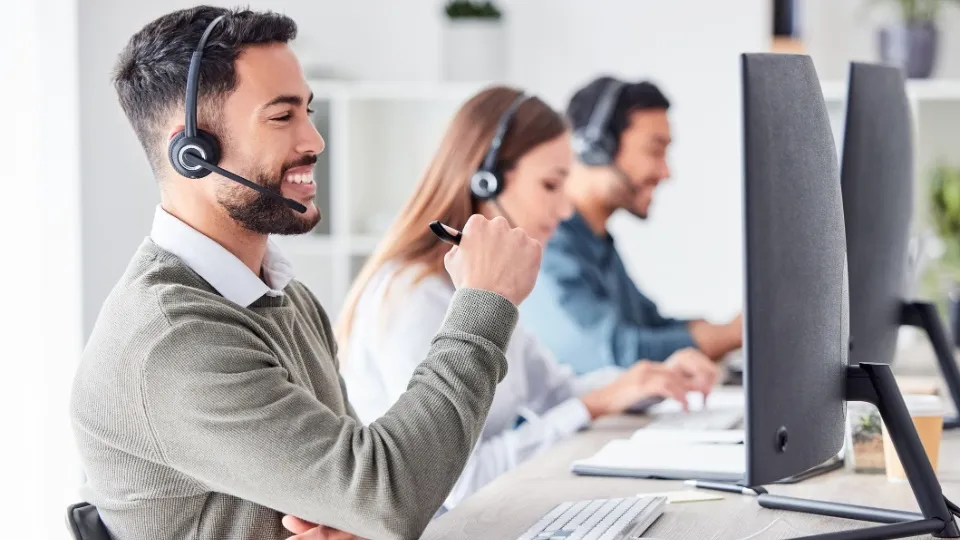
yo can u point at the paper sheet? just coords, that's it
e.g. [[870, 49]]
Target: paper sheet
[[625, 455], [688, 436], [686, 495]]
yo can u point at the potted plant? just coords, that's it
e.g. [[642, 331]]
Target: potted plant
[[473, 48], [944, 185], [912, 42], [866, 439]]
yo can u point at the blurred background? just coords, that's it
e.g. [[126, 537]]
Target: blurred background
[[387, 76]]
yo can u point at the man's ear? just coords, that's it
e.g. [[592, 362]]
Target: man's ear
[[173, 132]]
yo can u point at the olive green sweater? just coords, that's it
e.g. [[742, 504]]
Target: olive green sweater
[[198, 418]]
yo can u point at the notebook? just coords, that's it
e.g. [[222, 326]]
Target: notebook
[[718, 455], [642, 456]]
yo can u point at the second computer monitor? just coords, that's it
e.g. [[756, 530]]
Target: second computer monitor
[[795, 331], [877, 185]]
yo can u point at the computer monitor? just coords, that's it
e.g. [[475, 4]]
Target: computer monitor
[[877, 183], [796, 331], [795, 339], [877, 187]]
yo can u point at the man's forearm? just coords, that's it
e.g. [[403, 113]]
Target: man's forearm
[[713, 340]]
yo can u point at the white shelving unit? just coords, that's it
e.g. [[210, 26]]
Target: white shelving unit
[[935, 106], [379, 139]]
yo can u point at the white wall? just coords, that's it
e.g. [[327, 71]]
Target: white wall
[[41, 325], [687, 255]]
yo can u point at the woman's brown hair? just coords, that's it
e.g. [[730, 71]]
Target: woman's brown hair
[[443, 192]]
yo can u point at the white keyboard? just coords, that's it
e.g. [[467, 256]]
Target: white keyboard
[[597, 519], [702, 419]]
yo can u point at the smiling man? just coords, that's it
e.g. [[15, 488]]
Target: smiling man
[[208, 402], [585, 306]]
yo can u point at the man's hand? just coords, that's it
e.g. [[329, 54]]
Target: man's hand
[[304, 530], [644, 379], [716, 340], [699, 370], [493, 257]]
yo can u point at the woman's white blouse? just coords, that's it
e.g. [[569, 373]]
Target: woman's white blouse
[[391, 335]]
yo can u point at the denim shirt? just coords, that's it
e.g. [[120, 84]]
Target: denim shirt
[[587, 310]]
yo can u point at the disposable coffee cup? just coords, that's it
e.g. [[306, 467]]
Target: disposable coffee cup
[[927, 413]]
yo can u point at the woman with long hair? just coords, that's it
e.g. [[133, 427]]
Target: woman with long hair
[[503, 154]]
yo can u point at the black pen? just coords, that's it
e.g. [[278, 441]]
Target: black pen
[[720, 486], [446, 233]]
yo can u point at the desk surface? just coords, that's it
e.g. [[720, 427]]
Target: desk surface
[[506, 507]]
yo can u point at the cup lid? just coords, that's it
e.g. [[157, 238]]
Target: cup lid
[[924, 405]]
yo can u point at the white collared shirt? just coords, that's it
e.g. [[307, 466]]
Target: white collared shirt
[[217, 266]]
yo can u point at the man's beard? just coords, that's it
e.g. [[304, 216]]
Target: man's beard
[[262, 213], [624, 196]]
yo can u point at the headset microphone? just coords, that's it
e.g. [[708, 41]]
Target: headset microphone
[[194, 153], [191, 157]]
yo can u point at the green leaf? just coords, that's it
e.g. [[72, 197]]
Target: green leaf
[[466, 9]]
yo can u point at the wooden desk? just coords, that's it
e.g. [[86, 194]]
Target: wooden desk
[[505, 508]]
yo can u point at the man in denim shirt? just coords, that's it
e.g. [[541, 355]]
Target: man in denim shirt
[[585, 307]]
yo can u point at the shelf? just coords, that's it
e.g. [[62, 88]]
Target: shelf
[[389, 146], [397, 91], [934, 89], [921, 90]]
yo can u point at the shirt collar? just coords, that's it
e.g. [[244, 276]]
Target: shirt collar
[[578, 230], [217, 266]]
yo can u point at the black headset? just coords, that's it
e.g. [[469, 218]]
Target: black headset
[[194, 153], [487, 182], [593, 143]]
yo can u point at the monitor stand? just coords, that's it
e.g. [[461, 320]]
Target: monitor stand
[[874, 383], [924, 315]]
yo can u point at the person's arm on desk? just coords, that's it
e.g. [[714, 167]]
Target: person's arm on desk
[[716, 340], [687, 370], [562, 410], [225, 413]]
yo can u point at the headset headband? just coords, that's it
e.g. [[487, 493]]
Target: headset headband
[[490, 160], [193, 82], [601, 113]]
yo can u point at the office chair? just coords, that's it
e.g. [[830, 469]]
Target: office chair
[[84, 522]]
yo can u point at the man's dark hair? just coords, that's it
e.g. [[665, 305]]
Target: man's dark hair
[[151, 73], [633, 96]]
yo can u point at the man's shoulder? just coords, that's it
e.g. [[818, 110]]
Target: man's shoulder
[[158, 284], [156, 293]]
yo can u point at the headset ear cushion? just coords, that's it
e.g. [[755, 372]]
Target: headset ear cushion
[[485, 184], [593, 152], [208, 146]]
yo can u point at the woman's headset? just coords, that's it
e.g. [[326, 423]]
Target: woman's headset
[[487, 182]]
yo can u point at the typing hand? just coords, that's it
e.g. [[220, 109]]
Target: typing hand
[[493, 257], [693, 365], [644, 379], [304, 530]]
